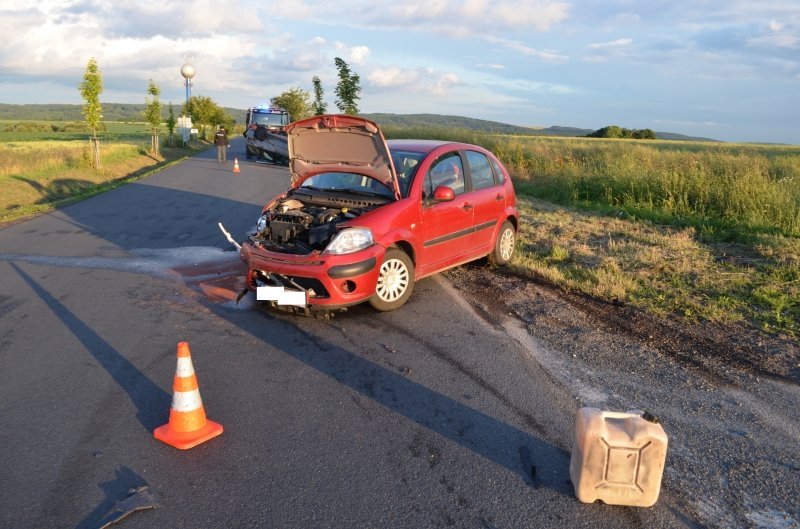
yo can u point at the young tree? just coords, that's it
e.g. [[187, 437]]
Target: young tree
[[348, 89], [204, 112], [319, 107], [171, 122], [295, 101], [90, 89], [152, 114]]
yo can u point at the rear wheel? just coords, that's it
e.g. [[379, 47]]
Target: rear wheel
[[395, 281], [504, 245]]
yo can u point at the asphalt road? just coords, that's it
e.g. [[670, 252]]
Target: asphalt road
[[424, 417]]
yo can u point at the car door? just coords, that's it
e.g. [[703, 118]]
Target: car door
[[446, 225], [488, 198]]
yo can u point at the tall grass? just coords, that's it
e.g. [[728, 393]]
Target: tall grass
[[728, 192], [30, 158]]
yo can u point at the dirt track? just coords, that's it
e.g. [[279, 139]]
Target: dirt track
[[726, 395]]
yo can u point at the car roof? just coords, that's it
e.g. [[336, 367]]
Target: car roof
[[423, 146]]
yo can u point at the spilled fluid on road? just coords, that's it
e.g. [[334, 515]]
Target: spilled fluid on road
[[215, 273]]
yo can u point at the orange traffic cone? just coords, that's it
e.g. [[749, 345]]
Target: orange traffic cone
[[236, 165], [187, 426]]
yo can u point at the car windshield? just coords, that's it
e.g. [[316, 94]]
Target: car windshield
[[270, 119], [347, 183], [405, 163]]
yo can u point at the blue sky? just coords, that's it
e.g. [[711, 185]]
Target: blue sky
[[725, 70]]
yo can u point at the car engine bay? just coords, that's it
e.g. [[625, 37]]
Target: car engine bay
[[303, 224]]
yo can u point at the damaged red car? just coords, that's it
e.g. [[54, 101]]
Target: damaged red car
[[365, 218]]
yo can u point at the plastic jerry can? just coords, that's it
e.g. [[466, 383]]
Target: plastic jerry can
[[617, 458]]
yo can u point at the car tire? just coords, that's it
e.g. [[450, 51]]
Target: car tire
[[395, 281], [504, 245]]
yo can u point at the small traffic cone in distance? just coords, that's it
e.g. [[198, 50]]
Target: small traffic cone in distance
[[236, 165], [188, 425]]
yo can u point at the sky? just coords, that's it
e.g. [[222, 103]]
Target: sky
[[724, 70]]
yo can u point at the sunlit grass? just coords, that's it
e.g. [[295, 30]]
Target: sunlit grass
[[663, 269], [36, 176]]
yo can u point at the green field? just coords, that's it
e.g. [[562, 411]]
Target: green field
[[25, 131]]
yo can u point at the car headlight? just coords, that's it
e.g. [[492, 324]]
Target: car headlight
[[262, 223], [350, 240]]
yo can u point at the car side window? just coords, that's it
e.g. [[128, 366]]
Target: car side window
[[479, 170], [446, 171], [499, 175]]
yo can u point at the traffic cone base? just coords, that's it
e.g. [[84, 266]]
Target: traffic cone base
[[236, 165], [187, 440], [188, 425]]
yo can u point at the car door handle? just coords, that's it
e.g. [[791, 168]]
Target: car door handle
[[467, 206], [499, 198]]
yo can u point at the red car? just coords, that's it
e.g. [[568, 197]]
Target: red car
[[365, 218]]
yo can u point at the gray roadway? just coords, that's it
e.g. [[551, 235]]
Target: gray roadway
[[424, 417]]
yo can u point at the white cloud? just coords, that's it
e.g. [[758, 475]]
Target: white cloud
[[443, 84], [417, 80], [446, 17], [354, 54], [613, 44], [393, 76], [519, 47]]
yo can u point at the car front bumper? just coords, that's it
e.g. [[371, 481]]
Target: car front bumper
[[327, 281]]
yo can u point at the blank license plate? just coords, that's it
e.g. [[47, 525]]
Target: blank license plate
[[282, 296]]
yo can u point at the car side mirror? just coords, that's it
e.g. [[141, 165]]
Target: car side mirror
[[443, 194]]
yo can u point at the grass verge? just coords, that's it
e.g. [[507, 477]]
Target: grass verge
[[38, 176], [662, 269]]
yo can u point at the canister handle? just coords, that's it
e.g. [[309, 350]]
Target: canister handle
[[621, 414]]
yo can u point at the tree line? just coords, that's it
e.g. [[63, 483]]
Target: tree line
[[614, 131]]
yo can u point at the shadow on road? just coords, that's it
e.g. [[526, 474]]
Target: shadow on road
[[149, 399], [483, 434], [124, 480]]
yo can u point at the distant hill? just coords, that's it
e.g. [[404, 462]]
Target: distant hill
[[439, 120], [133, 112], [482, 125], [111, 112]]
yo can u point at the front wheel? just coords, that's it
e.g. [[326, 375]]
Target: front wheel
[[504, 245], [395, 281]]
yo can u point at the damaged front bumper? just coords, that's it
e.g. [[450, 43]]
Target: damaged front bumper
[[312, 282]]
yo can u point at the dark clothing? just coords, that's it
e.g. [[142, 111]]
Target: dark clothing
[[221, 141], [221, 138]]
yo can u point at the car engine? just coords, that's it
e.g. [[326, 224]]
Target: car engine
[[301, 228]]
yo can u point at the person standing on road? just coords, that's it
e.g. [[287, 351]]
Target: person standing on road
[[222, 143]]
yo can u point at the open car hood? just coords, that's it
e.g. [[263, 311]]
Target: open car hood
[[341, 144]]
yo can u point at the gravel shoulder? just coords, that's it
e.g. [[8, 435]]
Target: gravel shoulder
[[726, 395]]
